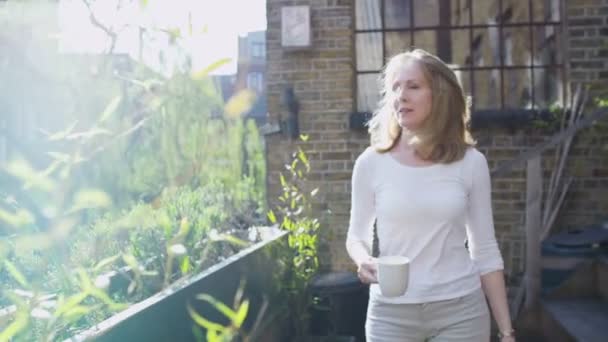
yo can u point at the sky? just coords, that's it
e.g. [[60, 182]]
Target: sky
[[216, 25]]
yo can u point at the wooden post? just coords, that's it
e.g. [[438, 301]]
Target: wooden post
[[533, 230]]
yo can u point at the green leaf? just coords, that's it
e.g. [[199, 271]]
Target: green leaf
[[198, 334], [20, 323], [21, 218], [200, 320], [221, 307], [231, 239], [210, 68], [51, 168], [240, 103], [102, 296], [110, 109], [87, 135], [90, 199], [131, 261], [214, 336], [185, 266], [33, 179], [105, 262], [241, 314], [63, 134], [184, 228], [287, 223], [70, 303], [77, 312], [272, 217], [85, 281], [302, 156], [14, 272]]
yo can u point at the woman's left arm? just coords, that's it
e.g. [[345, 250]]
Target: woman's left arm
[[483, 246], [493, 284]]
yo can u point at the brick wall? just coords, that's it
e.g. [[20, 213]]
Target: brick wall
[[323, 80], [588, 43]]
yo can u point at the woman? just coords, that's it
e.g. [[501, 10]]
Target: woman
[[428, 189]]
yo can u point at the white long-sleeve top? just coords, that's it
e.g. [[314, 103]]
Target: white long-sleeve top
[[426, 213]]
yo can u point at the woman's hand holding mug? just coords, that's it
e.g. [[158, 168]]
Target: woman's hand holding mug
[[368, 271]]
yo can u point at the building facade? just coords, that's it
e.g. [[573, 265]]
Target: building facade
[[251, 72], [513, 57]]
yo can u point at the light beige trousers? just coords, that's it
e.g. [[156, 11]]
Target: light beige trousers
[[461, 319]]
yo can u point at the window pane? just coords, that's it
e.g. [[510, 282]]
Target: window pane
[[485, 49], [485, 12], [516, 45], [460, 46], [517, 88], [460, 12], [546, 41], [368, 92], [255, 81], [487, 89], [397, 42], [369, 51], [547, 86], [397, 13], [545, 10], [427, 40], [515, 11], [368, 14], [426, 13]]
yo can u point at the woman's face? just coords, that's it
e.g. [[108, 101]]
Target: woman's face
[[412, 96]]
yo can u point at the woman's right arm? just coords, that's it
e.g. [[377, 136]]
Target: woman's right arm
[[362, 215]]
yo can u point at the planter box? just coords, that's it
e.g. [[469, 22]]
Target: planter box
[[164, 316]]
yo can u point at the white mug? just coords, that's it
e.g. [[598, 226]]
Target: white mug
[[393, 275]]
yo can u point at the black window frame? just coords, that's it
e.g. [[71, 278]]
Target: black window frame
[[444, 49]]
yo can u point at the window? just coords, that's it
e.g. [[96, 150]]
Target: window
[[257, 50], [507, 53], [255, 81]]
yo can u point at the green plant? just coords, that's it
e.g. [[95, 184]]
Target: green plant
[[296, 216], [551, 121], [216, 332], [232, 328], [187, 229], [180, 175]]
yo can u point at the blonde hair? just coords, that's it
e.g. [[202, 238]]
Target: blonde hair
[[444, 136]]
